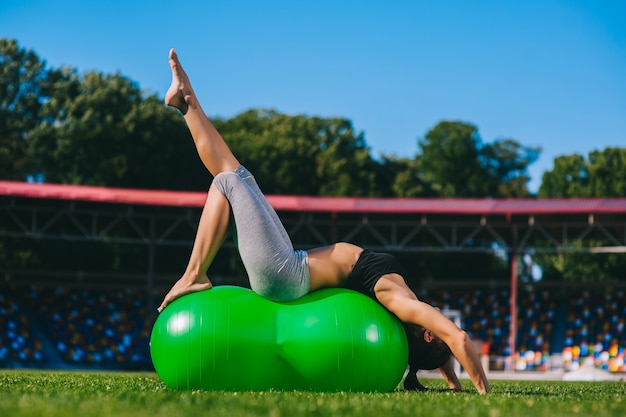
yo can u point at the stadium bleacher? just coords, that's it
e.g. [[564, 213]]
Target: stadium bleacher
[[17, 340], [595, 330], [107, 328], [84, 328]]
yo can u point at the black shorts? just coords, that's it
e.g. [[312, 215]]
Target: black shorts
[[369, 268]]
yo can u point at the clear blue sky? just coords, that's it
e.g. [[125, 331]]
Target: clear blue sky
[[549, 73]]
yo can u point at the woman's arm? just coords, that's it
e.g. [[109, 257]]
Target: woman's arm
[[450, 376], [397, 297], [458, 341]]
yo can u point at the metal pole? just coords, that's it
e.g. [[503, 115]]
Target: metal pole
[[513, 303]]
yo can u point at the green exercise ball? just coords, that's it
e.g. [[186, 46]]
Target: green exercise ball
[[231, 339]]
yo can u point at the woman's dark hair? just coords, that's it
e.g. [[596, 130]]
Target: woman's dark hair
[[422, 354]]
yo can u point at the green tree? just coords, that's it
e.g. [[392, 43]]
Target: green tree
[[22, 90], [583, 267], [506, 162], [101, 130], [601, 174], [569, 178], [450, 160], [455, 162], [607, 172], [402, 177], [344, 164], [301, 155]]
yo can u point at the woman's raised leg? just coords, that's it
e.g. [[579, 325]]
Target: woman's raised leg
[[214, 152], [212, 228]]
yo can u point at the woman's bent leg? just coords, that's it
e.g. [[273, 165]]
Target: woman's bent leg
[[209, 237], [275, 270]]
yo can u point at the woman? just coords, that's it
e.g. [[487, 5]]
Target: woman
[[275, 269]]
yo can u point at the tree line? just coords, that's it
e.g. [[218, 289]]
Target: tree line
[[91, 128]]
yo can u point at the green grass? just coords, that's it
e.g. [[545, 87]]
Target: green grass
[[85, 394]]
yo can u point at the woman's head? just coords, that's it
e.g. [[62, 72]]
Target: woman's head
[[426, 350]]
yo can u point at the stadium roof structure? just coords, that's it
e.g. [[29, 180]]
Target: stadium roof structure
[[511, 227], [332, 204], [392, 224]]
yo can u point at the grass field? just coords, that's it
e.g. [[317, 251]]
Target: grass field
[[85, 394]]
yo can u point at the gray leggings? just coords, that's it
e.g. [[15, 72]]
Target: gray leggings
[[276, 271]]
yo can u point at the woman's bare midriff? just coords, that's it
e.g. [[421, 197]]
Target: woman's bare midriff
[[330, 266]]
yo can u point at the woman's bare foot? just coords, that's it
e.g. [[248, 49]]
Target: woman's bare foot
[[180, 93], [185, 286]]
